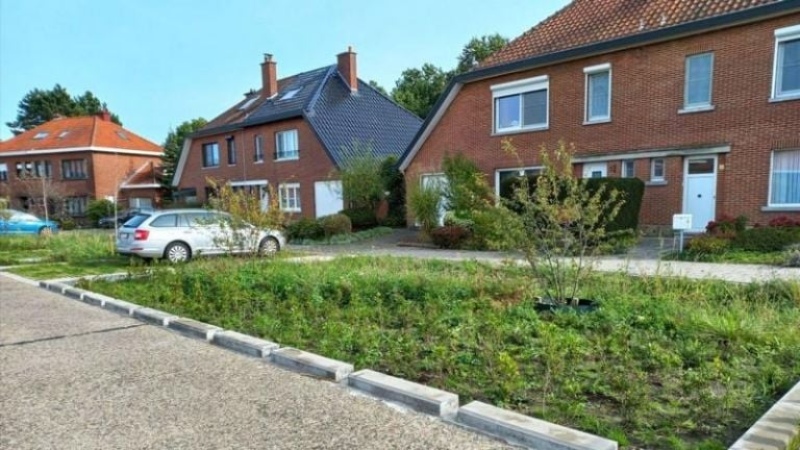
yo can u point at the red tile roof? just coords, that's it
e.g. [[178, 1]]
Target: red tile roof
[[147, 174], [584, 22], [72, 132]]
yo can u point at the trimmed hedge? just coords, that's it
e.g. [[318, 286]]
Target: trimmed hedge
[[450, 237], [766, 239], [361, 218], [335, 224]]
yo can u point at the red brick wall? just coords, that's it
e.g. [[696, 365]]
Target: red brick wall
[[313, 163], [647, 92]]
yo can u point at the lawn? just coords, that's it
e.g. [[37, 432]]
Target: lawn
[[732, 257], [664, 364]]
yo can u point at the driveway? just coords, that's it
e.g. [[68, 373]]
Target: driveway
[[75, 376]]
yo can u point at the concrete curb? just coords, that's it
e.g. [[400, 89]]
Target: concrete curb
[[153, 316], [242, 343], [193, 328], [776, 428], [312, 364], [528, 431], [416, 396], [16, 277]]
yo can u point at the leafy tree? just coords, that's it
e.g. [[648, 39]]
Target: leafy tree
[[362, 183], [478, 49], [395, 184], [173, 145], [418, 89], [39, 106]]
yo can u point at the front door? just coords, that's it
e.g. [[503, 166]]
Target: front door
[[328, 197], [700, 190]]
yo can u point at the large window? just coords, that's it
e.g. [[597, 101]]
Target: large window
[[521, 105], [3, 172], [598, 93], [286, 146], [786, 76], [699, 79], [785, 178], [290, 197], [211, 154], [231, 151], [73, 169], [506, 179], [258, 156], [34, 169], [75, 206], [628, 168]]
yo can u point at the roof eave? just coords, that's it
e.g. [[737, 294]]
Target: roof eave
[[247, 123]]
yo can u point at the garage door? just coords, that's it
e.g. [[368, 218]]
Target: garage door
[[328, 197]]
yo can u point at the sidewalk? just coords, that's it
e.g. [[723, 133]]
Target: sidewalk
[[75, 376]]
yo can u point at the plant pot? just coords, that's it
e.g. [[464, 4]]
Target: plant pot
[[581, 306]]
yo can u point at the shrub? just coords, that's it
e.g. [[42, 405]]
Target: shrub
[[361, 218], [450, 219], [467, 189], [784, 222], [766, 239], [335, 224], [97, 209], [450, 237], [305, 228], [727, 226], [66, 223], [708, 244], [631, 190], [791, 257], [493, 229], [395, 184], [618, 242], [424, 202]]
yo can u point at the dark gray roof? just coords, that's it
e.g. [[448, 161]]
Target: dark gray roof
[[341, 119], [277, 107]]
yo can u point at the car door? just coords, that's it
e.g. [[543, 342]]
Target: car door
[[198, 233]]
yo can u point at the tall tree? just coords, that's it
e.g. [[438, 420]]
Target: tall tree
[[173, 145], [418, 89], [478, 49], [38, 106]]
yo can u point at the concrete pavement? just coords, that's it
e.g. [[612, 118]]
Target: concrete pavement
[[75, 376]]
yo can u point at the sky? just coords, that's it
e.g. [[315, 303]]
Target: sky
[[157, 63]]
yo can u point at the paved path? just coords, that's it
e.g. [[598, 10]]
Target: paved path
[[74, 376]]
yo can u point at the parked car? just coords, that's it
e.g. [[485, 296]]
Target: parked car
[[122, 217], [181, 234], [20, 222]]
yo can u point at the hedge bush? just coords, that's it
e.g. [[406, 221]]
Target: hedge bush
[[305, 228], [335, 224], [766, 239], [708, 245], [450, 237], [361, 218]]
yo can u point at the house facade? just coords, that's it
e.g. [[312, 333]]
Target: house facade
[[700, 99], [292, 135], [73, 160]]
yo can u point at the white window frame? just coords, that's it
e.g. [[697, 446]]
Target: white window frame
[[203, 160], [783, 35], [520, 172], [4, 172], [771, 173], [520, 87], [286, 156], [285, 198], [258, 149], [658, 178], [624, 173], [695, 107], [588, 72]]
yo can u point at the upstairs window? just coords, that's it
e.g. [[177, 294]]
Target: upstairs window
[[521, 105], [786, 75], [699, 79], [73, 169], [3, 172], [258, 156], [286, 146], [231, 151], [211, 155], [598, 93], [34, 169]]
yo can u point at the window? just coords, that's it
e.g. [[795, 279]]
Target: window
[[286, 145], [290, 197], [73, 169], [598, 93], [699, 78], [34, 169], [211, 154], [41, 135], [3, 172], [290, 94], [521, 105], [657, 169], [259, 149], [628, 168], [785, 178], [786, 76], [167, 220], [231, 151], [75, 206], [505, 179]]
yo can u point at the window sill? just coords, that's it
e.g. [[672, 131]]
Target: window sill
[[291, 210], [784, 98], [258, 162], [75, 179], [209, 167], [781, 208], [696, 109], [656, 183], [294, 158], [597, 122], [231, 165], [518, 131]]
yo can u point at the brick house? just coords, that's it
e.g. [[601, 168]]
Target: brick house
[[698, 98], [292, 135], [74, 160]]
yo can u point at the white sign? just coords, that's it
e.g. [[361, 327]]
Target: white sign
[[682, 222]]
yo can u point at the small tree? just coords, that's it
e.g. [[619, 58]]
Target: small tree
[[395, 184], [362, 184], [467, 190], [99, 208], [562, 222], [242, 228], [424, 201]]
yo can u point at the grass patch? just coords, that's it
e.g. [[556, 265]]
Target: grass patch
[[730, 256], [795, 443], [341, 239], [50, 270], [664, 364]]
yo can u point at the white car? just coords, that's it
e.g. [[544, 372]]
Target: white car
[[180, 234]]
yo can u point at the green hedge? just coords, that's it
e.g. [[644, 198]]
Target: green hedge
[[766, 239], [361, 218]]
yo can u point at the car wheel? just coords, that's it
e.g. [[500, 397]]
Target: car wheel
[[45, 231], [268, 247], [177, 252]]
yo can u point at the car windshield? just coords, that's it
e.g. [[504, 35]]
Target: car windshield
[[136, 220], [23, 217]]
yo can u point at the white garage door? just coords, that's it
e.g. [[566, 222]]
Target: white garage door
[[328, 197]]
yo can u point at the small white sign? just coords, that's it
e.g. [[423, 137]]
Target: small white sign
[[682, 222]]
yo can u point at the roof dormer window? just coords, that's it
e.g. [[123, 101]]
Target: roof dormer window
[[63, 134], [41, 135], [290, 94]]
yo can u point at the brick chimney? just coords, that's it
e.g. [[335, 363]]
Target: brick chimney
[[269, 77], [346, 63]]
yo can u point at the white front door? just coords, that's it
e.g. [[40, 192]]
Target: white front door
[[328, 197], [263, 197], [700, 190], [439, 181], [595, 170]]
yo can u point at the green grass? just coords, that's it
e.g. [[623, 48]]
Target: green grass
[[351, 238], [731, 256], [664, 364], [795, 443], [50, 270]]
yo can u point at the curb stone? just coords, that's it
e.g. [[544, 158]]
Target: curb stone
[[243, 343], [312, 364], [153, 316], [117, 306], [776, 428], [193, 328], [416, 396]]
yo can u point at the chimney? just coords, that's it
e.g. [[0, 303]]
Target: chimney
[[346, 63], [269, 77], [105, 115]]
